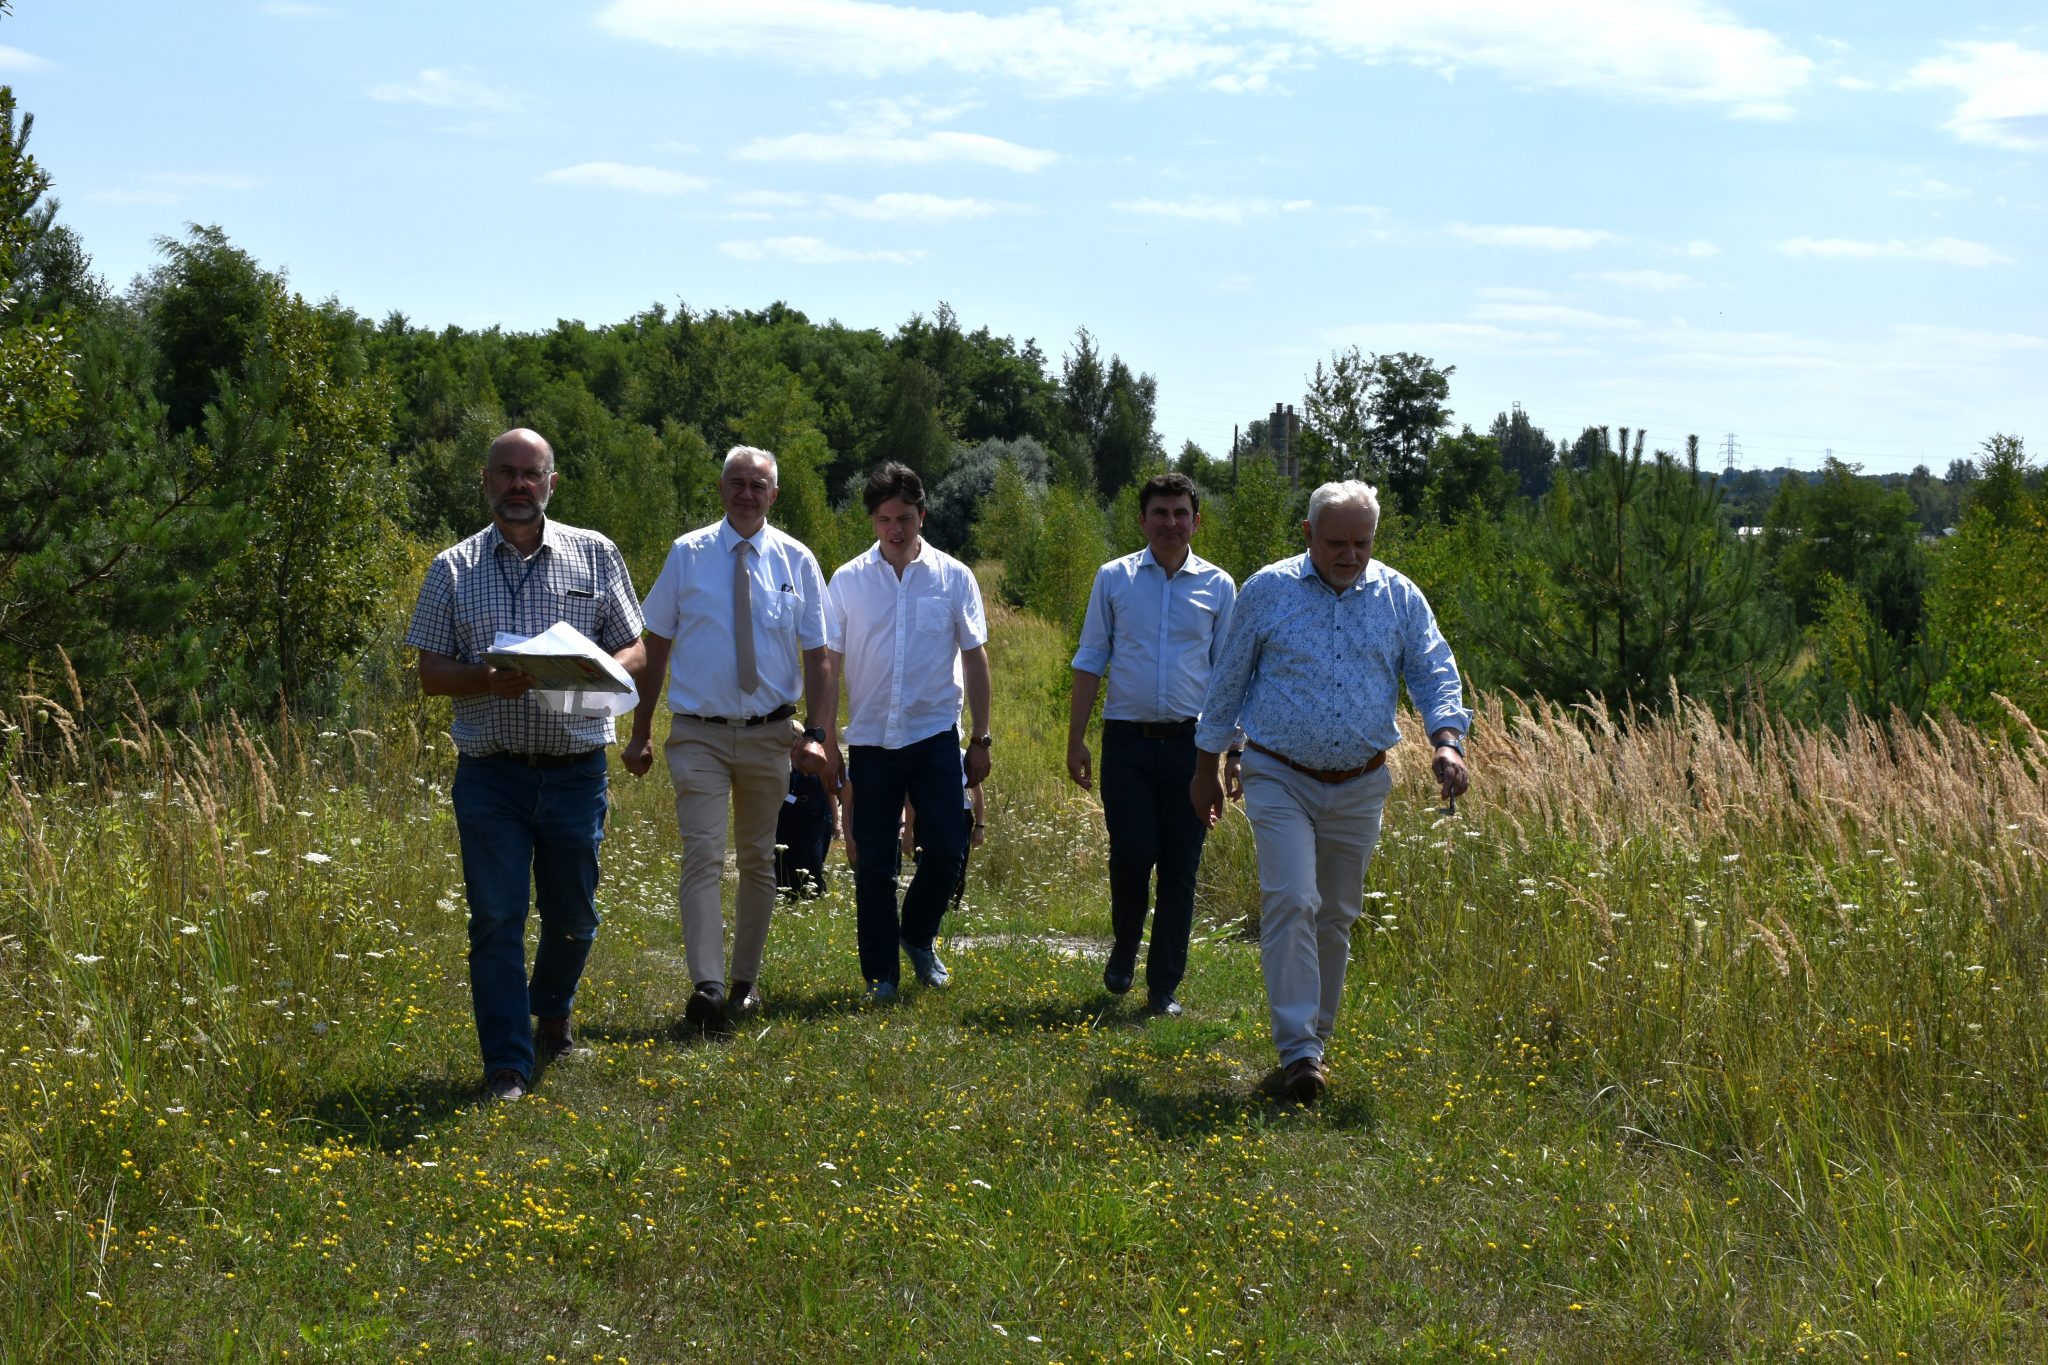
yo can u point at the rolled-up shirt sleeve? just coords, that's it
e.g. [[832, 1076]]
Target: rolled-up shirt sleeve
[[1098, 628]]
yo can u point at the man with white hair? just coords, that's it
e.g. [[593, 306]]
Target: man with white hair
[[1311, 672], [736, 621]]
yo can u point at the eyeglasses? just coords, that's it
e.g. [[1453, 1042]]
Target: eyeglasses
[[759, 487]]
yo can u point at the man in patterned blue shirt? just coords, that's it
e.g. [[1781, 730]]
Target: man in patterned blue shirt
[[529, 791], [1311, 672]]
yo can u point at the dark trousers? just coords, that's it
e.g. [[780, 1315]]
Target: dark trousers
[[928, 773], [1151, 824], [529, 836]]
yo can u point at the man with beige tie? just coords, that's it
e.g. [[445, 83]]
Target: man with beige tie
[[736, 624]]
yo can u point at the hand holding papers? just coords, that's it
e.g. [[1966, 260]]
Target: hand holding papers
[[571, 673]]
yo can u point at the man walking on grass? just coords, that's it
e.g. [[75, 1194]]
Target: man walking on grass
[[529, 793], [736, 625], [1156, 623], [1312, 669], [905, 623]]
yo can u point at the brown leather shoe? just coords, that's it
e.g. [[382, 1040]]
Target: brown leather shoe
[[1306, 1080], [557, 1040], [505, 1084]]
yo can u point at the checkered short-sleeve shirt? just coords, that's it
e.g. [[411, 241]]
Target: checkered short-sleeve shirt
[[481, 586]]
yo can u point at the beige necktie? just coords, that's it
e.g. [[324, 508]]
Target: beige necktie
[[743, 619]]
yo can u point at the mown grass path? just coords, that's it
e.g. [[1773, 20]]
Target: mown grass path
[[1668, 1061]]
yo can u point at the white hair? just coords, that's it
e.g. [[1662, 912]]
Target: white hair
[[751, 453], [1344, 493]]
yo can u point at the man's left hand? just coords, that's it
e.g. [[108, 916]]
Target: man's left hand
[[1452, 777]]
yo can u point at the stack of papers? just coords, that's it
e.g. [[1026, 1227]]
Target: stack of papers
[[572, 674]]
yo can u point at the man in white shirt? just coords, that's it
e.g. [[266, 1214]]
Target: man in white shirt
[[905, 623], [736, 623], [1156, 622]]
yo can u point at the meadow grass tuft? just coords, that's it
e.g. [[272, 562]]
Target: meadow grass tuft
[[1679, 1040]]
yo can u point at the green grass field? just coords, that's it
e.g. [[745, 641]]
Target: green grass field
[[1667, 1046]]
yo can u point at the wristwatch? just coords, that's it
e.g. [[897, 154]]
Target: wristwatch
[[985, 741], [1456, 743], [815, 732]]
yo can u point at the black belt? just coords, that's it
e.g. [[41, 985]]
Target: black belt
[[1151, 729], [545, 760], [782, 712]]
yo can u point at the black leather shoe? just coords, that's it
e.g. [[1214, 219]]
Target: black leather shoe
[[1119, 972], [745, 1001], [706, 1008], [1164, 1006]]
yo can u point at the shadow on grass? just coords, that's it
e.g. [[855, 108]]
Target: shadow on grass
[[390, 1115], [1198, 1112], [1059, 1015]]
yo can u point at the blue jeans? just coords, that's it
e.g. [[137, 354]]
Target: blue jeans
[[517, 823], [928, 772], [1151, 825]]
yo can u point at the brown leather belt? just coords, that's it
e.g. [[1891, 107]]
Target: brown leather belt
[[1329, 776]]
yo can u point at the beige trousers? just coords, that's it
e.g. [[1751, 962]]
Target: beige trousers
[[1315, 842], [716, 770]]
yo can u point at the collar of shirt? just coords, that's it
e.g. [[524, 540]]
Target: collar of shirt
[[550, 539], [729, 537], [1304, 568]]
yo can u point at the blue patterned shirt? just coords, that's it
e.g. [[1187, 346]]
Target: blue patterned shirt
[[1157, 637], [481, 586], [1315, 674]]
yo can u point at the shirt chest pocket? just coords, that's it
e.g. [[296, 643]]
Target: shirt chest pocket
[[776, 610], [934, 616], [575, 603], [1193, 622]]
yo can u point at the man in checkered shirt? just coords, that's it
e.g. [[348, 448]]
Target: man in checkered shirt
[[529, 793]]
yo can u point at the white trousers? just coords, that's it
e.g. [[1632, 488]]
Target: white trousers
[[1314, 842]]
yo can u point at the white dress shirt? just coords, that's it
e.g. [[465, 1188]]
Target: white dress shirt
[[902, 638], [691, 604], [1155, 636]]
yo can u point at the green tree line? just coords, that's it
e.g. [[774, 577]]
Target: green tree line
[[217, 494]]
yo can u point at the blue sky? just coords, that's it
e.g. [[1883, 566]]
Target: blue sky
[[1815, 225]]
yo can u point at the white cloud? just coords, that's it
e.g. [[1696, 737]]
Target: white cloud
[[769, 199], [616, 175], [2005, 93], [930, 149], [1700, 250], [1854, 83], [1298, 206], [1678, 51], [1946, 250], [1657, 281], [14, 59], [1199, 208], [131, 197], [811, 251], [1537, 238], [1554, 314], [910, 208], [203, 180], [443, 89], [1101, 49], [1927, 187]]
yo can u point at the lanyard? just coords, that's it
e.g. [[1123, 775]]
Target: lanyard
[[505, 576]]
